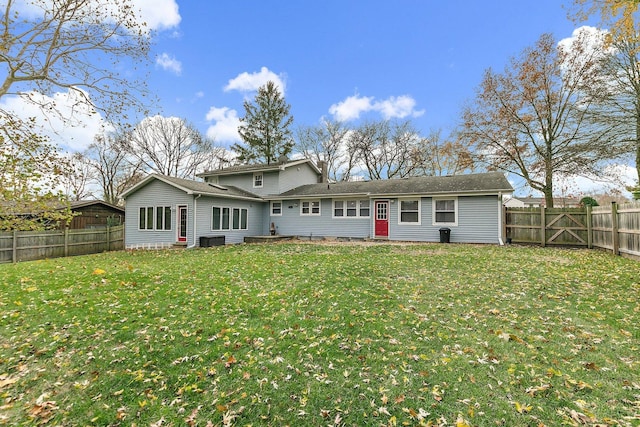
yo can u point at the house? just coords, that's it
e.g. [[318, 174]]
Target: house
[[536, 202], [294, 198]]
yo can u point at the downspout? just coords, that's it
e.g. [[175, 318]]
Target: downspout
[[500, 228], [195, 211]]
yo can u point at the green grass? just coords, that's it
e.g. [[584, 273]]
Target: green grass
[[305, 334]]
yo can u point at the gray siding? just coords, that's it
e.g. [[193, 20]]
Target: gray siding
[[156, 193], [244, 181], [204, 219], [477, 222], [291, 223], [296, 176]]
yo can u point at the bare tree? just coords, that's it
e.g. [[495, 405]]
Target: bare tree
[[114, 169], [78, 180], [531, 119], [385, 148], [169, 146], [435, 156], [75, 45], [615, 94], [328, 142]]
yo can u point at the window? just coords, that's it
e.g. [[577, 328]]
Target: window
[[276, 208], [163, 218], [338, 208], [364, 208], [445, 211], [351, 208], [257, 180], [236, 219], [161, 215], [409, 211], [223, 218], [215, 225], [310, 207]]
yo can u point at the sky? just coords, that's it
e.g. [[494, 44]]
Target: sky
[[348, 60]]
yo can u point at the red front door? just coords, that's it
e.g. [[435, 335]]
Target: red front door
[[382, 219], [182, 223]]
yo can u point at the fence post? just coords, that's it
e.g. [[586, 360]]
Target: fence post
[[614, 228], [66, 241], [589, 228], [108, 238], [14, 254], [543, 227]]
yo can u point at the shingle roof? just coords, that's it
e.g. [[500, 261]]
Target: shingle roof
[[196, 187], [231, 170], [492, 182]]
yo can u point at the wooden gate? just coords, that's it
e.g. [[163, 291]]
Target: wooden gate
[[554, 226]]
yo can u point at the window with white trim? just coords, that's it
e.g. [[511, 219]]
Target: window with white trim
[[351, 208], [445, 211], [276, 208], [224, 218], [257, 180], [409, 211], [310, 207], [154, 218]]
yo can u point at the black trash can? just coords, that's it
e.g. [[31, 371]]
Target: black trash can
[[209, 241], [445, 235]]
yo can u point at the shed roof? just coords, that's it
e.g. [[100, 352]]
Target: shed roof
[[491, 182]]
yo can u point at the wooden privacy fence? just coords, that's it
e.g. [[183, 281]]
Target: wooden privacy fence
[[615, 227], [31, 245]]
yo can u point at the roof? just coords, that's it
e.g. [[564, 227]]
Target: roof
[[194, 187], [84, 203], [232, 170], [481, 183], [25, 208]]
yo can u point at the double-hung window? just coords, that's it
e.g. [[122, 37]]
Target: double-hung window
[[409, 211], [276, 208], [351, 208], [257, 180], [445, 211], [154, 218], [310, 207]]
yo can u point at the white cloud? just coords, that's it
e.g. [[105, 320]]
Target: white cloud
[[159, 14], [393, 107], [69, 123], [224, 128], [249, 82], [351, 108], [398, 107], [156, 14], [169, 63]]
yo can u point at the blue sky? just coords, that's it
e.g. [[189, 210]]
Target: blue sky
[[348, 60]]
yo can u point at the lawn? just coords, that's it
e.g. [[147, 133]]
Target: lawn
[[320, 334]]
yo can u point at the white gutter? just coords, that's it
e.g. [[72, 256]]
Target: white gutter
[[500, 228], [195, 212]]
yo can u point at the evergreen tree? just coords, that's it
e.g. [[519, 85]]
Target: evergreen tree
[[265, 127]]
